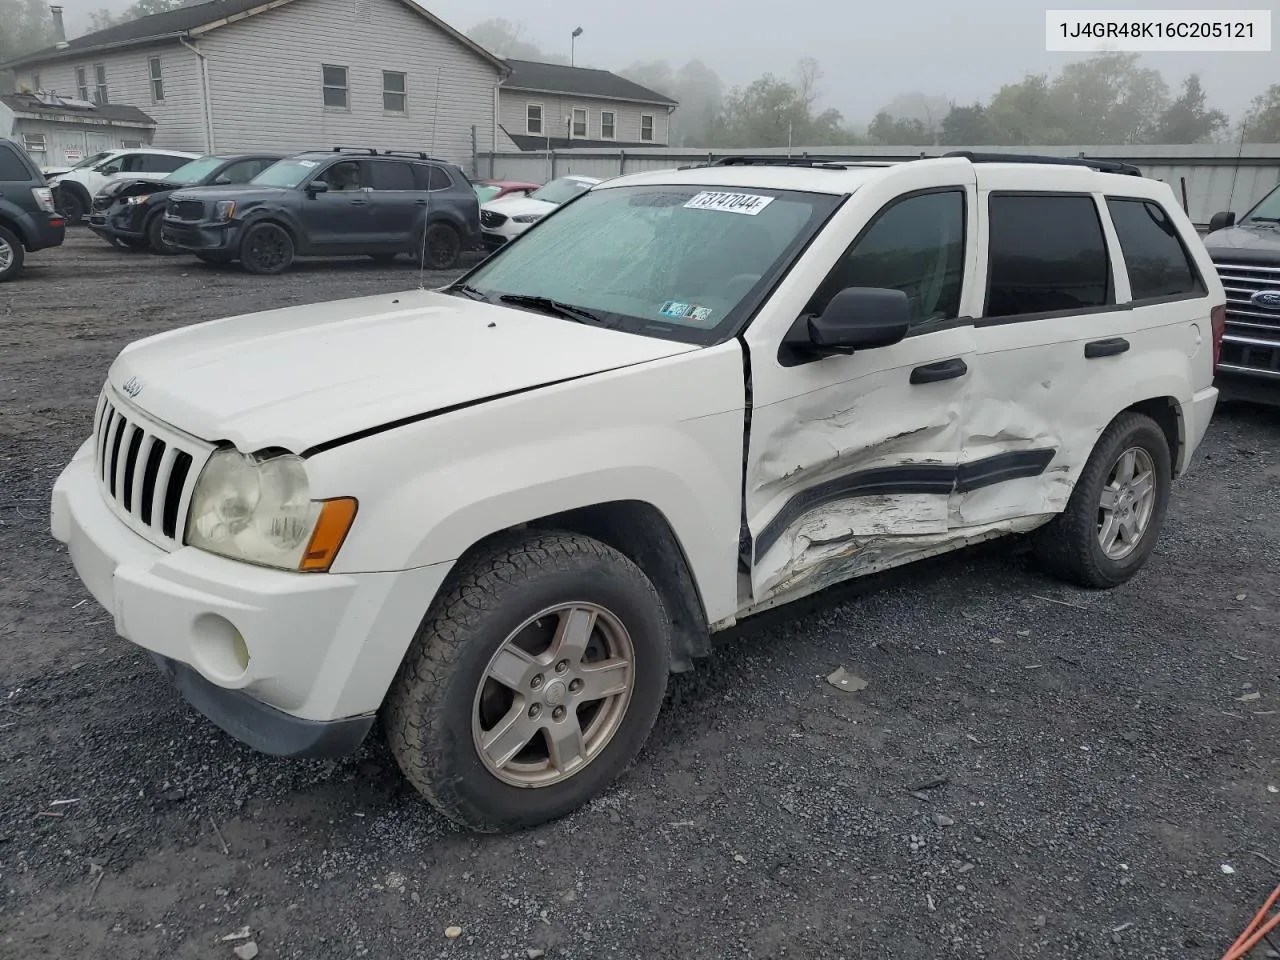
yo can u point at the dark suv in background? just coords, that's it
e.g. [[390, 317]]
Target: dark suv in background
[[130, 212], [339, 203], [28, 219], [1246, 253]]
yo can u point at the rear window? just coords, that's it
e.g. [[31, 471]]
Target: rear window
[[1047, 254], [12, 166], [392, 175], [1158, 263]]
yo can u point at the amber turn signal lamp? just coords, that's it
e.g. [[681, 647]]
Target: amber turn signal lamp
[[336, 517]]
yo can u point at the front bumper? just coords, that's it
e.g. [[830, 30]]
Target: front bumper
[[117, 222], [289, 663], [201, 237]]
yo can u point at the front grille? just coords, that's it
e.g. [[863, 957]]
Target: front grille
[[189, 210], [1252, 340], [490, 219], [146, 472]]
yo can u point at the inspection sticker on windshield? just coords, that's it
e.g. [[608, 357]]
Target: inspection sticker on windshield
[[748, 203], [685, 311]]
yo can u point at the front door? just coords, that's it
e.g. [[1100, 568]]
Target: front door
[[852, 459], [339, 218]]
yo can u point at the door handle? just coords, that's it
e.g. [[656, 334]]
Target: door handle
[[359, 203], [942, 370], [421, 201], [1105, 348]]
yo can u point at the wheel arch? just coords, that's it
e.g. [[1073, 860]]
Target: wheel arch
[[1168, 414], [14, 226]]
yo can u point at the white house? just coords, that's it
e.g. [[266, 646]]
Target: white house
[[230, 76], [60, 132], [549, 106]]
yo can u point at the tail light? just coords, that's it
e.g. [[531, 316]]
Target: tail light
[[1218, 319], [44, 199]]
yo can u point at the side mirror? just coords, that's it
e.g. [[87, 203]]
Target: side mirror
[[1220, 221], [856, 318], [317, 186]]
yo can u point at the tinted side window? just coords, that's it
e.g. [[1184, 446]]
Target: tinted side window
[[159, 163], [346, 175], [11, 166], [915, 245], [1046, 253], [1158, 263], [392, 175], [440, 179]]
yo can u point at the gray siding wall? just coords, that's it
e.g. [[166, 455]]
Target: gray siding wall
[[513, 104], [265, 80], [179, 118]]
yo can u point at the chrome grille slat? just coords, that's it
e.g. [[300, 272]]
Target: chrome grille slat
[[1252, 341], [146, 471]]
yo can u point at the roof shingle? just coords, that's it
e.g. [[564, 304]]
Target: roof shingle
[[585, 82], [113, 112]]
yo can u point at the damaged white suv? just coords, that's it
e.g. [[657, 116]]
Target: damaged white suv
[[500, 513]]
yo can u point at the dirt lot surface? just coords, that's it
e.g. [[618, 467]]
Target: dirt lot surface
[[1032, 771]]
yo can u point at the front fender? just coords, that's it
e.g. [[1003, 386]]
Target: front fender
[[429, 491]]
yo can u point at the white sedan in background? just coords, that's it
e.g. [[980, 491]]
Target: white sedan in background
[[501, 221]]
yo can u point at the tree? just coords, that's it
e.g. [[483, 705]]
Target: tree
[[695, 86], [504, 38], [1262, 121], [1025, 113], [1187, 120], [966, 126], [889, 129], [772, 112], [26, 27], [1109, 98]]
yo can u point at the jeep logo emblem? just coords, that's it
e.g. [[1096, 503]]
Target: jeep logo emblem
[[133, 386], [1266, 299]]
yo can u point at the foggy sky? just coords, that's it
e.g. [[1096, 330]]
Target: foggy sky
[[870, 52]]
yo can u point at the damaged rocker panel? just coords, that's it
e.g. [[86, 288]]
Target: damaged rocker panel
[[938, 478]]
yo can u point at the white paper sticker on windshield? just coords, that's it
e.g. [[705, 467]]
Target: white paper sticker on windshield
[[307, 163], [748, 203]]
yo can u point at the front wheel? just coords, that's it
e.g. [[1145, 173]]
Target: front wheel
[[532, 683], [70, 205], [267, 249], [1113, 519], [155, 238]]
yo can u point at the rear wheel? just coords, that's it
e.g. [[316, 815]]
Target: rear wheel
[[1113, 519], [444, 247], [531, 684], [11, 255], [266, 248], [157, 242]]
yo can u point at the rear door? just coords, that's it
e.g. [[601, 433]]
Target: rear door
[[396, 203], [339, 219], [851, 459]]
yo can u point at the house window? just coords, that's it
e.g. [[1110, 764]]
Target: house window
[[157, 80], [131, 144], [33, 142], [82, 85], [35, 81], [579, 130], [100, 83], [335, 86], [533, 118], [395, 92], [646, 126], [608, 125]]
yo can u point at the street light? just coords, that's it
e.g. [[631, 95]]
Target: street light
[[577, 32]]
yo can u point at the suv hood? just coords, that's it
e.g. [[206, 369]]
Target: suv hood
[[305, 375], [1250, 242]]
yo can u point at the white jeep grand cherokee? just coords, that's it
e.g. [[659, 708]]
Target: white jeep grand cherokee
[[502, 512]]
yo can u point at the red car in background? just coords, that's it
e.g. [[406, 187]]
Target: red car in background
[[488, 190]]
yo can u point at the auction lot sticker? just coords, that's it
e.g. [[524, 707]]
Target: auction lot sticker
[[748, 203]]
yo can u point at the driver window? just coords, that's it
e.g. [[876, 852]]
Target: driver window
[[114, 165], [344, 176], [916, 245]]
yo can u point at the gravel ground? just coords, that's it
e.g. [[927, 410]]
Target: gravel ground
[[1104, 766]]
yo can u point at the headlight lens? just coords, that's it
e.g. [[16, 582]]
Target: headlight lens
[[224, 210], [133, 201], [528, 218], [259, 509]]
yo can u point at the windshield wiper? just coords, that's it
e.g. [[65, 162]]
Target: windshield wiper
[[556, 307], [470, 292]]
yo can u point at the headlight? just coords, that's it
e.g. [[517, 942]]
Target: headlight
[[134, 201], [224, 209], [259, 509], [528, 217]]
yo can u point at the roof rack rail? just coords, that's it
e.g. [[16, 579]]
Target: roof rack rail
[[369, 150], [412, 154], [1103, 166], [803, 160]]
